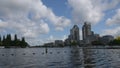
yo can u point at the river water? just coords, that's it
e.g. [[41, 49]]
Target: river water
[[66, 57]]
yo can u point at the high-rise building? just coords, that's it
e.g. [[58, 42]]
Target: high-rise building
[[88, 35], [74, 32], [74, 36], [86, 30]]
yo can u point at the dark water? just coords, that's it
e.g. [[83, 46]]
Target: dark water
[[59, 58]]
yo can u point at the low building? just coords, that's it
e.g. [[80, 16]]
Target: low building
[[106, 39], [91, 38], [51, 44], [59, 43], [67, 42]]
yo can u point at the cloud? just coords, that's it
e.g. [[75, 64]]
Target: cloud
[[115, 31], [52, 38], [115, 19], [91, 10], [29, 18]]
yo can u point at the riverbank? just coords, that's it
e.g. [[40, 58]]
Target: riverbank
[[87, 47]]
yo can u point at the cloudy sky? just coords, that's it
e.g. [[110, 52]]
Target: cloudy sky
[[41, 21]]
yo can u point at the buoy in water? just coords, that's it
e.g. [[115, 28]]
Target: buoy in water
[[33, 53], [42, 53], [64, 51], [12, 54], [58, 52], [23, 53], [2, 54], [50, 52], [46, 50]]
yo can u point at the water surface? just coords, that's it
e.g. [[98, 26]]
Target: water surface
[[67, 57]]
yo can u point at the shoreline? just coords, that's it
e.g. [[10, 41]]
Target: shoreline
[[84, 47]]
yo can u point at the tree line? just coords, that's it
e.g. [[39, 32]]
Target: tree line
[[115, 41], [7, 41]]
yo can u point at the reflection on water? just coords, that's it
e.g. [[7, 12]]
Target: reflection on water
[[76, 58], [73, 57]]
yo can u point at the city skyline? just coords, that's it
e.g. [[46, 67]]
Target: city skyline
[[42, 21]]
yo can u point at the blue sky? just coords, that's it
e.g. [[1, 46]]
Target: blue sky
[[41, 21]]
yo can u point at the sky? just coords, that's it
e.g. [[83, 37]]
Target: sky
[[42, 21]]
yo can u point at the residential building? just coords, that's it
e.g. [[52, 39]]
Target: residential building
[[88, 35], [74, 36], [74, 33], [86, 30]]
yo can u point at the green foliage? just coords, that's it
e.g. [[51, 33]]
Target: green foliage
[[118, 38], [96, 43], [23, 43], [60, 45], [74, 43], [8, 42], [115, 42], [15, 37]]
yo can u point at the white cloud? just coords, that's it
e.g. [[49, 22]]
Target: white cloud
[[115, 19], [64, 37], [52, 38], [115, 31], [28, 18], [3, 24], [90, 10]]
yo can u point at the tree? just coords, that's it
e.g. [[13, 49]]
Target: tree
[[118, 38], [15, 37], [8, 37], [16, 41], [23, 43], [96, 43], [74, 43], [115, 41], [23, 39], [8, 42], [0, 41]]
